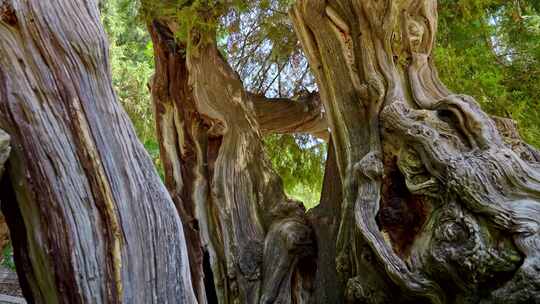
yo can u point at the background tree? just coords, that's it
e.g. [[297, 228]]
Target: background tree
[[490, 50]]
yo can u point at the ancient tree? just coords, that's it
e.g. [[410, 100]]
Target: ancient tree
[[426, 198], [236, 213], [438, 202], [89, 218]]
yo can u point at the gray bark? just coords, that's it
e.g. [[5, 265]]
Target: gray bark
[[5, 149], [393, 237], [90, 220], [426, 198], [438, 205]]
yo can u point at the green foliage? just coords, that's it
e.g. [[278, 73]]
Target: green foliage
[[490, 49], [299, 160], [258, 40], [260, 43], [132, 65], [201, 15], [7, 257]]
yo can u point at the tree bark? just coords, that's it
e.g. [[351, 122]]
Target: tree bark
[[426, 198], [185, 147], [263, 233], [325, 219], [250, 243], [90, 220], [5, 149], [286, 116], [438, 206]]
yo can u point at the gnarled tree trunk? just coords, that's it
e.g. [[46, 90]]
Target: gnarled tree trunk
[[437, 206], [424, 179], [90, 220], [248, 239], [426, 198]]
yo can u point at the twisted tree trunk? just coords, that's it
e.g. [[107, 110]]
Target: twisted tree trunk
[[437, 206], [89, 218], [426, 198], [415, 166], [246, 237]]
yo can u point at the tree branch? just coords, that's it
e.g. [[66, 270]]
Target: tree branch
[[286, 116]]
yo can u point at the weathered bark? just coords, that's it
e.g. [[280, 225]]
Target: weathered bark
[[248, 238], [5, 149], [185, 147], [286, 116], [435, 202], [90, 220], [325, 219]]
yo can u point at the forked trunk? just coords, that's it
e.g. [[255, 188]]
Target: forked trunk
[[426, 198], [250, 243], [90, 220]]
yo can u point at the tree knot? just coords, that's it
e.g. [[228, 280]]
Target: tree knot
[[250, 261], [7, 13], [371, 166]]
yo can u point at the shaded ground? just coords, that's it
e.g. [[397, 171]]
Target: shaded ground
[[9, 283]]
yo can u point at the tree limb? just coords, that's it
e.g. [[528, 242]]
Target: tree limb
[[286, 116]]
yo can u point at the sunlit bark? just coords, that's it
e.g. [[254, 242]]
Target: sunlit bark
[[89, 218], [248, 239], [407, 149]]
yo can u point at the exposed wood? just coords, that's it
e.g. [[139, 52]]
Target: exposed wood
[[264, 233], [426, 198], [250, 243], [183, 138], [90, 220], [472, 187], [286, 116]]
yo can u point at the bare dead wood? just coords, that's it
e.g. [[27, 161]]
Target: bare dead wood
[[264, 233], [373, 57], [286, 116], [90, 220], [248, 240], [183, 139]]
